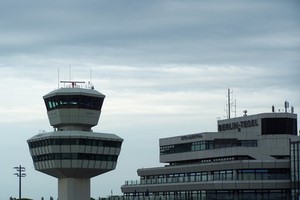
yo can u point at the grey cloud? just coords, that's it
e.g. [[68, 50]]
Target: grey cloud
[[157, 32], [151, 34]]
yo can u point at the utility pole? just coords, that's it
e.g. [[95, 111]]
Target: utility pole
[[20, 174]]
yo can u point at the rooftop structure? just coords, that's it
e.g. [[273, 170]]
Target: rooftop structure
[[73, 153], [249, 157]]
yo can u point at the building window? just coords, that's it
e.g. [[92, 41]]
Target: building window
[[279, 126], [263, 194], [206, 145], [295, 170], [74, 141], [263, 174], [74, 156], [74, 101]]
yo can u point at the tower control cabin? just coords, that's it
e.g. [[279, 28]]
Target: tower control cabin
[[73, 153]]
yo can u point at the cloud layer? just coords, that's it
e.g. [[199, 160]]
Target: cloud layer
[[153, 33]]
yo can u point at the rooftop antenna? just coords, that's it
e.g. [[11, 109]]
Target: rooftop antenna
[[286, 106], [69, 72], [73, 83], [229, 104], [91, 75], [234, 107], [57, 78]]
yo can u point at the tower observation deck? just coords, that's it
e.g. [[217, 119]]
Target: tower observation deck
[[73, 153]]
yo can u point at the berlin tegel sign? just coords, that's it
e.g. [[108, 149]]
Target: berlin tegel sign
[[237, 125]]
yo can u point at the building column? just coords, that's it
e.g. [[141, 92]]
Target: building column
[[74, 188]]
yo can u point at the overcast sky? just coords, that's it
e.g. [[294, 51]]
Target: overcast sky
[[164, 66]]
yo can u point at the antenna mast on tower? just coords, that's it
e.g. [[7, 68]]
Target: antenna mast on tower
[[91, 75], [58, 78], [229, 104], [70, 70]]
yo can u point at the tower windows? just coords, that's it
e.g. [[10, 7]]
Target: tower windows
[[74, 141], [74, 101], [74, 156]]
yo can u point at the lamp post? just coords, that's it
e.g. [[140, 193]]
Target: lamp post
[[20, 174]]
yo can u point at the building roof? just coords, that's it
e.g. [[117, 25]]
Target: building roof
[[74, 91], [77, 134]]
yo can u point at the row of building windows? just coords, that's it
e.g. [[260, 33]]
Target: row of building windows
[[223, 175], [295, 170], [211, 195], [74, 101], [281, 157], [211, 160], [206, 145], [74, 141], [263, 174], [74, 156]]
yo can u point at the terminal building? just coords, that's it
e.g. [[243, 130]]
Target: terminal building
[[249, 157], [73, 153]]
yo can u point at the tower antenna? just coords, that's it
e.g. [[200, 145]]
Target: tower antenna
[[57, 78], [70, 72], [91, 75], [234, 107], [228, 103]]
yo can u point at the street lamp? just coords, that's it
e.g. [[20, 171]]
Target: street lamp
[[20, 174]]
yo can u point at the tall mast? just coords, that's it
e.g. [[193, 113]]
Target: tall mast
[[228, 103]]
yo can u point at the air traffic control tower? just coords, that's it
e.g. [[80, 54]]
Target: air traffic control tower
[[73, 153]]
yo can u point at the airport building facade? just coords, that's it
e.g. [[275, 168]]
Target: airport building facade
[[249, 157]]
